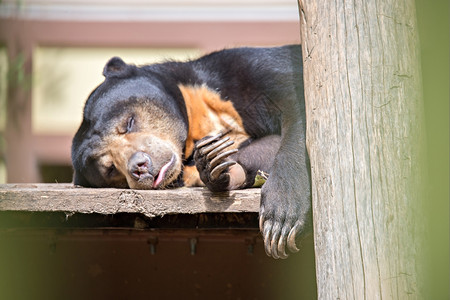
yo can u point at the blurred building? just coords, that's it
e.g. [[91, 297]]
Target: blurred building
[[52, 53]]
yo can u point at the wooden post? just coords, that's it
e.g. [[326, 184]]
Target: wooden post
[[364, 117], [21, 163]]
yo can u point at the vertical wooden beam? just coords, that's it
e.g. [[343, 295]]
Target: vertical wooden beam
[[21, 162], [364, 118]]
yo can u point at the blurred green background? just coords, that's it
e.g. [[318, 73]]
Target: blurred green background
[[433, 20]]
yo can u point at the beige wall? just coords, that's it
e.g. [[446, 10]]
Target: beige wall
[[155, 10], [64, 77]]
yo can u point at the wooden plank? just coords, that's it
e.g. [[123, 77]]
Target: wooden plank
[[67, 198]]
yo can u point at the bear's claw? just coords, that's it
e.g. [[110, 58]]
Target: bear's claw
[[278, 236], [207, 141], [212, 160], [215, 173], [219, 158], [218, 147]]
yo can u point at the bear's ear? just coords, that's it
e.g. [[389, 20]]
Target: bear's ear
[[116, 67]]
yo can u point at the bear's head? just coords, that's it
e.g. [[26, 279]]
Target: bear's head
[[133, 131]]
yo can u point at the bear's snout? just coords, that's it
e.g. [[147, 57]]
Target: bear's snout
[[140, 167]]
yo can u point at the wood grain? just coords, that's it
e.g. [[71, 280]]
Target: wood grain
[[67, 198], [364, 119]]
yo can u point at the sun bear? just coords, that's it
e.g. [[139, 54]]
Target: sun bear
[[215, 121]]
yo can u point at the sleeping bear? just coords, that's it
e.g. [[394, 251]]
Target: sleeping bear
[[215, 121]]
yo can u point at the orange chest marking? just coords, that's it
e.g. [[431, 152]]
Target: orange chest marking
[[208, 114]]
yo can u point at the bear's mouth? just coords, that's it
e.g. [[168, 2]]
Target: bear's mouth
[[162, 174], [144, 173]]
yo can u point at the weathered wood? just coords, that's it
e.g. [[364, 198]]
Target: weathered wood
[[363, 104], [70, 199]]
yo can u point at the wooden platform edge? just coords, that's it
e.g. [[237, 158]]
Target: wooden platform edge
[[70, 199]]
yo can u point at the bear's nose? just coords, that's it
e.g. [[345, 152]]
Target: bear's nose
[[140, 166]]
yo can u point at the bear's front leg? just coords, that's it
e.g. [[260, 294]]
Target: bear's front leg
[[285, 212]]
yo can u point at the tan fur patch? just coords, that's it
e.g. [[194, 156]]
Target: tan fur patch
[[209, 114], [191, 176]]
